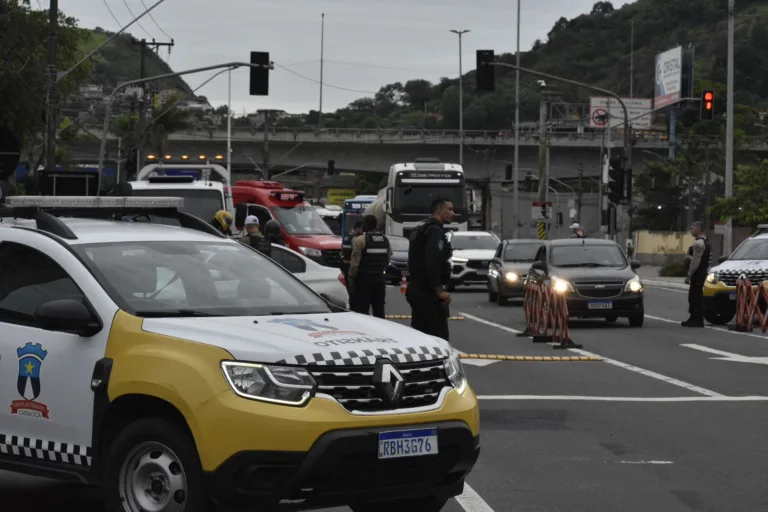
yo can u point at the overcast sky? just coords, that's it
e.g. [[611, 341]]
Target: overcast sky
[[368, 43]]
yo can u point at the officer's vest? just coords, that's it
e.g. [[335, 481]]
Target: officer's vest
[[706, 259], [417, 250], [375, 255], [346, 247], [261, 244]]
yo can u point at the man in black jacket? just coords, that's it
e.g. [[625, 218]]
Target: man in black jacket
[[430, 269], [368, 264]]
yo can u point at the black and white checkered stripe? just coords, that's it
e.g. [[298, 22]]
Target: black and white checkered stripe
[[52, 451], [367, 357]]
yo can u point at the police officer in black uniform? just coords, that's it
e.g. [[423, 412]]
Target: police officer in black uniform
[[428, 263], [254, 238], [697, 262], [272, 232], [346, 248], [368, 264]]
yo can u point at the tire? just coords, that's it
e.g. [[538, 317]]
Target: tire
[[611, 319], [501, 300], [637, 320], [416, 505], [492, 296], [170, 452], [718, 317]]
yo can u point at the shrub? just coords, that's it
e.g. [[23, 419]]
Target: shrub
[[673, 269]]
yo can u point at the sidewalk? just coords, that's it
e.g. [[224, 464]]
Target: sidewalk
[[650, 277]]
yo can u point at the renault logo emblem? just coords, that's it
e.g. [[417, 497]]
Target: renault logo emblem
[[388, 381]]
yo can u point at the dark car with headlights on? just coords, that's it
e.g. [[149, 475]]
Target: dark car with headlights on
[[594, 275], [398, 264], [509, 268]]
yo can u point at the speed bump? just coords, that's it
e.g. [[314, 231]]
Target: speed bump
[[538, 359], [409, 317]]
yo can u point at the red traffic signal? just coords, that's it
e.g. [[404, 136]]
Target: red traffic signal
[[707, 105]]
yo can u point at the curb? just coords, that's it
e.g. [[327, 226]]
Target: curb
[[665, 284]]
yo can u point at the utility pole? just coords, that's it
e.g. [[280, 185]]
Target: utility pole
[[515, 171], [53, 90], [322, 62], [265, 149], [543, 145], [145, 105], [728, 238], [461, 99], [579, 192]]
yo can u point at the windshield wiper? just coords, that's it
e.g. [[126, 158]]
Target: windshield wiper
[[179, 313]]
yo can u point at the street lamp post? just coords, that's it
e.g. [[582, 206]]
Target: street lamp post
[[515, 170], [728, 238], [461, 100]]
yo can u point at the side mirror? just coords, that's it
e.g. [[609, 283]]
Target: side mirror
[[722, 259], [635, 264], [241, 212], [67, 315], [538, 265], [334, 301]]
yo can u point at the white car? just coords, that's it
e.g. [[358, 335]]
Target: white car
[[472, 254], [320, 278]]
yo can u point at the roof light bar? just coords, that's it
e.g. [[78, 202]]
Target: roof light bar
[[93, 202]]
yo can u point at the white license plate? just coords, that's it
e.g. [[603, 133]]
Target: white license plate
[[604, 304], [482, 272], [407, 443], [733, 296]]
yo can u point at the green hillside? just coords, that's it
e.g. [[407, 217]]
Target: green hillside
[[120, 61], [594, 48]]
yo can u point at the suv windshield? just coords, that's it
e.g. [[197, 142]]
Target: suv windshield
[[196, 279], [301, 220], [754, 249], [521, 253], [463, 242], [587, 256]]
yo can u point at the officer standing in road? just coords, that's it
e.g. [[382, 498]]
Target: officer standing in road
[[368, 264], [430, 270], [346, 248], [697, 262], [254, 238], [272, 232]]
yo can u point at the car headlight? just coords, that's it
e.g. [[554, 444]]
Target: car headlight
[[455, 372], [459, 260], [311, 252], [284, 385], [561, 285], [512, 277], [633, 285], [493, 272], [713, 278]]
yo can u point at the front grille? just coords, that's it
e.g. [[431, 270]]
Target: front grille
[[399, 264], [332, 257], [599, 289], [754, 277], [478, 264], [353, 387]]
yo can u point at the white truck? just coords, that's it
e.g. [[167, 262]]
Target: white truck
[[412, 187]]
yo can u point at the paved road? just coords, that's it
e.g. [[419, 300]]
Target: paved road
[[656, 425]]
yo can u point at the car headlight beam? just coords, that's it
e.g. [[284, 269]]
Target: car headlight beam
[[285, 385], [561, 285], [455, 372], [713, 278], [511, 277]]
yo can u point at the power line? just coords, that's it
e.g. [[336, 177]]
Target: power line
[[134, 17], [112, 13], [359, 65], [324, 84], [157, 25]]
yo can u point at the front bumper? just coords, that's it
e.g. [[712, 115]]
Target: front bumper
[[468, 273], [627, 304], [719, 297], [506, 288], [396, 270], [257, 454], [342, 468]]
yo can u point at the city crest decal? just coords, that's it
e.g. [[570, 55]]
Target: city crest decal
[[31, 358], [313, 329]]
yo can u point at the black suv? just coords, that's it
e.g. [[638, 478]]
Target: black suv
[[595, 276]]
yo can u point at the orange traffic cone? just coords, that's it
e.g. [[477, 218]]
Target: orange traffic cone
[[403, 285]]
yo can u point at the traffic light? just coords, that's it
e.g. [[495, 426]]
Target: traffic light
[[707, 105], [331, 167], [485, 75], [259, 84], [616, 180]]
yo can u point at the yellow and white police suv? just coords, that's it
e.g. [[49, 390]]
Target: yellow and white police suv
[[143, 352]]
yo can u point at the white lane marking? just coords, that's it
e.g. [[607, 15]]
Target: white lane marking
[[668, 289], [470, 501], [728, 356], [639, 462], [641, 371], [575, 398], [667, 320], [648, 373], [488, 322], [478, 362]]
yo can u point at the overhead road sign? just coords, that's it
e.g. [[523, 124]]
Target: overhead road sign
[[669, 77], [602, 109]]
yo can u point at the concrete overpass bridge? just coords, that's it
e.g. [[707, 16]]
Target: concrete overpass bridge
[[486, 153]]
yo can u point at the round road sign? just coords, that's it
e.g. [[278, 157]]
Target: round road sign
[[597, 114]]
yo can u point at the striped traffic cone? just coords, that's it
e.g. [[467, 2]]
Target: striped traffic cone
[[403, 285]]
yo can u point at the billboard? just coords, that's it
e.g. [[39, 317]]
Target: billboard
[[336, 196], [669, 77], [602, 109]]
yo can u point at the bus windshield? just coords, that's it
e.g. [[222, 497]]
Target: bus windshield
[[349, 221], [198, 202], [417, 199]]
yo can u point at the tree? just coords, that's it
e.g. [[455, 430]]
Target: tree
[[23, 75], [166, 120], [749, 203]]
